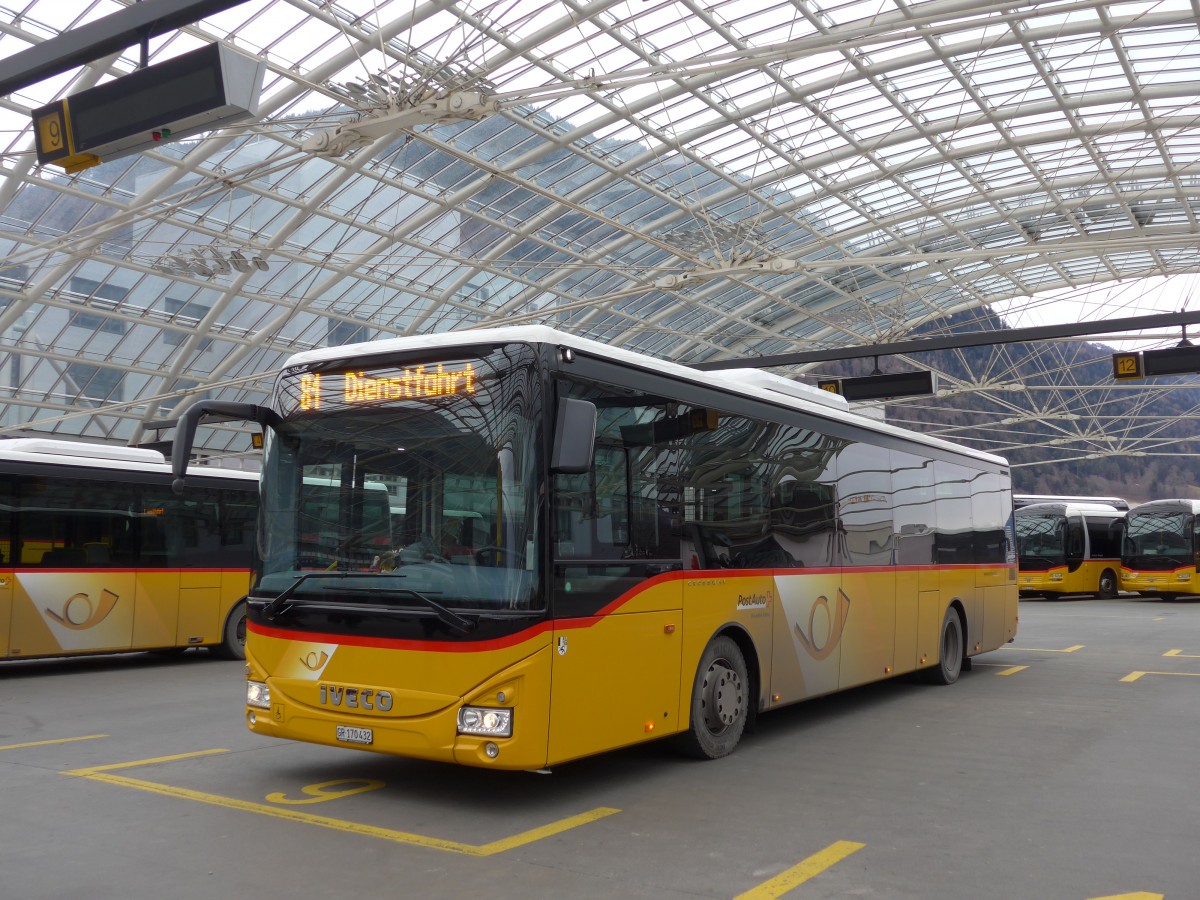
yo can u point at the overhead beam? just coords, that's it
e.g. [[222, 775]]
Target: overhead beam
[[952, 341], [112, 34]]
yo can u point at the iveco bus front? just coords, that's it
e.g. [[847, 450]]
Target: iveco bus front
[[456, 441]]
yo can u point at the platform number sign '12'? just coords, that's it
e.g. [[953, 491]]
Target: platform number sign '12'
[[1127, 366]]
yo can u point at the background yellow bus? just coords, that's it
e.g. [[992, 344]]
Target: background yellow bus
[[1159, 549], [1069, 548], [655, 550], [98, 555]]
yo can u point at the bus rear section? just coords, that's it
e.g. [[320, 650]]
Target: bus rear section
[[99, 555], [1159, 549], [1069, 549]]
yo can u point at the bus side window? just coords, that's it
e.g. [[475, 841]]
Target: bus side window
[[1074, 539]]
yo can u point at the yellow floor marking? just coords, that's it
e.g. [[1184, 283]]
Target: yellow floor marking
[[112, 767], [1039, 650], [1134, 676], [802, 872], [101, 773], [86, 737], [1181, 654], [1136, 895], [324, 792], [1008, 670]]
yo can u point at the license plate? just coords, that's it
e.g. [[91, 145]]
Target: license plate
[[351, 735]]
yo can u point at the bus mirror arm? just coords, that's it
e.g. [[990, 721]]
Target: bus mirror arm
[[574, 437], [185, 429]]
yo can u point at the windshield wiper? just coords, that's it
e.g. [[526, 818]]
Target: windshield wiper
[[281, 604]]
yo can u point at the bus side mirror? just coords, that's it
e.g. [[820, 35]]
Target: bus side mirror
[[185, 429], [574, 437]]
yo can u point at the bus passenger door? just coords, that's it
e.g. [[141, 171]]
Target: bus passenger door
[[6, 593], [7, 569], [868, 546], [179, 585], [995, 572]]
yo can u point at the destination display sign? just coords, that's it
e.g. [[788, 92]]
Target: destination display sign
[[342, 389]]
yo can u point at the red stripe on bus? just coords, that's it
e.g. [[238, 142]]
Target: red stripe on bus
[[588, 621], [509, 640]]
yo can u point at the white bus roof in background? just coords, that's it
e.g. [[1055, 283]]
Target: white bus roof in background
[[45, 451], [1068, 508], [1168, 504], [1020, 500]]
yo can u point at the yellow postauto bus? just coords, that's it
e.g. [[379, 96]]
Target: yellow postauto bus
[[641, 550], [1069, 548], [1159, 549], [98, 555]]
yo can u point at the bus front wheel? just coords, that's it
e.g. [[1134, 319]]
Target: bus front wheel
[[720, 701], [233, 636], [951, 657], [1108, 584]]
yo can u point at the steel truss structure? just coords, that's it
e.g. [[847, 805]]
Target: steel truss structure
[[698, 181]]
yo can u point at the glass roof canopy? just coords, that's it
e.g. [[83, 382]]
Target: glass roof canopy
[[691, 180]]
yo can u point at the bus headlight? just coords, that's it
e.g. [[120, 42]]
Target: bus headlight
[[485, 721], [258, 694]]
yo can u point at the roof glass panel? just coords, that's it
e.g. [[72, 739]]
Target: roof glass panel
[[591, 155]]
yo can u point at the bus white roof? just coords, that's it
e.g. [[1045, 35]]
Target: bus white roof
[[1068, 507], [1177, 503], [1031, 499], [769, 388], [46, 451]]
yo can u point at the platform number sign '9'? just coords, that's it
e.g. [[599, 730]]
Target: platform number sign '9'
[[50, 132]]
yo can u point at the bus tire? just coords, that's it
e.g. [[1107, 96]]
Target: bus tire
[[233, 636], [720, 701], [950, 657], [1108, 585]]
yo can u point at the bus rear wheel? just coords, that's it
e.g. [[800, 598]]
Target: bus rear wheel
[[1108, 585], [233, 637], [720, 701], [951, 656]]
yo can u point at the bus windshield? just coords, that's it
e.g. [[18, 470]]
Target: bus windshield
[[414, 484], [1040, 540], [1158, 540]]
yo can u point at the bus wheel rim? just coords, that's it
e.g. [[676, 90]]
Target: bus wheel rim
[[722, 696]]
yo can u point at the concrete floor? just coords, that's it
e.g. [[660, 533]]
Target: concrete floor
[[1049, 771]]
